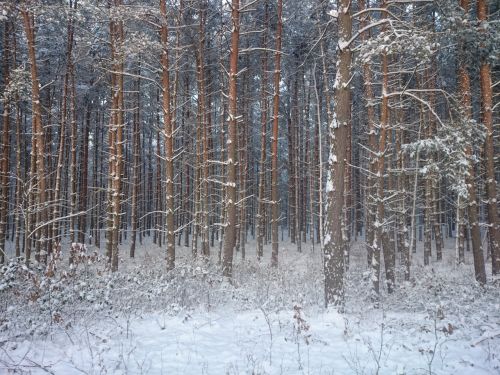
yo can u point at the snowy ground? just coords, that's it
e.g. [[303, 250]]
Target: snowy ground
[[191, 321]]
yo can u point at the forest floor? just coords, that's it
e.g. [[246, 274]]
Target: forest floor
[[144, 320]]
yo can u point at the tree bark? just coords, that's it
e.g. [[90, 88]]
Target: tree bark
[[37, 129], [334, 244], [263, 141], [82, 222], [230, 230], [5, 139], [489, 154], [169, 145], [372, 143], [472, 206], [274, 142], [116, 137]]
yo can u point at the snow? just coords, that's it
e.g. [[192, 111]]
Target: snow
[[333, 13], [343, 44], [327, 239], [329, 186], [265, 321], [247, 342]]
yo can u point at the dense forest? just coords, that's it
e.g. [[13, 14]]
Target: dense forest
[[226, 131], [202, 123]]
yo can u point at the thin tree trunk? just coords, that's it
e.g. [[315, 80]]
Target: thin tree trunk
[[296, 165], [5, 139], [489, 153], [434, 183], [20, 177], [274, 145], [169, 145], [472, 206], [136, 147], [82, 225], [204, 178], [73, 169], [230, 230], [116, 138], [263, 142], [334, 246], [379, 225], [242, 162], [320, 161], [403, 240], [159, 190], [58, 192], [372, 142], [37, 129], [292, 187], [119, 146], [95, 212], [111, 146]]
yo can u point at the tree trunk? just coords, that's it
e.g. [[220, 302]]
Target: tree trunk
[[489, 153], [230, 230], [5, 139], [274, 142], [116, 138], [37, 129], [169, 145], [372, 143], [320, 161], [263, 142], [334, 245], [82, 222], [472, 206], [136, 151], [379, 225], [73, 169]]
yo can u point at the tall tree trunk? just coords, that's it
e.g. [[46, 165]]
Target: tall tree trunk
[[203, 109], [82, 222], [96, 196], [263, 141], [20, 178], [489, 153], [428, 204], [320, 161], [57, 192], [296, 164], [230, 230], [38, 132], [116, 130], [437, 218], [242, 162], [274, 145], [472, 206], [19, 192], [187, 171], [159, 190], [292, 187], [73, 168], [372, 143], [169, 145], [464, 92], [136, 147], [334, 244], [379, 225], [433, 156], [5, 139], [111, 145], [403, 241]]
